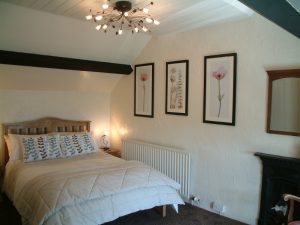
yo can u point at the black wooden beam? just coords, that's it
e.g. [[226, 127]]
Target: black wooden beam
[[278, 11], [46, 61]]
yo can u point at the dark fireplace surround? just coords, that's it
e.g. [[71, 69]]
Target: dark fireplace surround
[[281, 175]]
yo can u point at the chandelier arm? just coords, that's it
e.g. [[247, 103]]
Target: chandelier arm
[[124, 16]]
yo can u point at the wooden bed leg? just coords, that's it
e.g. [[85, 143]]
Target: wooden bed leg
[[164, 211]]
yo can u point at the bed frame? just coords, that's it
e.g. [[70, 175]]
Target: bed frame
[[47, 125], [43, 126]]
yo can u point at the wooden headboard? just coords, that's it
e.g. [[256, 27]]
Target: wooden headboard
[[43, 126]]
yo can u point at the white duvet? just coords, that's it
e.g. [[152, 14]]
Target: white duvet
[[91, 189]]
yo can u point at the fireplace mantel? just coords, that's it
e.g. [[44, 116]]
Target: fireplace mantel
[[279, 160], [280, 175]]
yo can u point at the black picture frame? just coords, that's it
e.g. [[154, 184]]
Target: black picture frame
[[144, 90], [177, 87], [219, 103]]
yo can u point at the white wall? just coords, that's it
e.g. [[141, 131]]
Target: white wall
[[28, 93], [224, 168]]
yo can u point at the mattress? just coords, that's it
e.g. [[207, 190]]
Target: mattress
[[90, 189]]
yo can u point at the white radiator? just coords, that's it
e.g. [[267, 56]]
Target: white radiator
[[171, 161]]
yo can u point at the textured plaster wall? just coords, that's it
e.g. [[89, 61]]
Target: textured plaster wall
[[28, 93], [223, 166]]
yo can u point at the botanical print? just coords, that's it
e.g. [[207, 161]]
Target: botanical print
[[219, 95], [176, 97], [143, 95], [144, 90], [219, 91], [176, 89], [219, 75], [144, 77]]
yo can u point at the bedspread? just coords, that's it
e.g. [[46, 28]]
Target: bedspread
[[54, 191]]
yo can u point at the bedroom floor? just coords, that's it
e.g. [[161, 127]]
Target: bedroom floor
[[188, 215]]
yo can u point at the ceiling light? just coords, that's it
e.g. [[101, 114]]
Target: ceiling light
[[89, 17], [156, 22], [98, 17], [105, 6], [149, 20], [123, 15]]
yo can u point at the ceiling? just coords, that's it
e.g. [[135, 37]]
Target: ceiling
[[59, 28], [174, 15]]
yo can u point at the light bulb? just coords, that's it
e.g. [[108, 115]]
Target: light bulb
[[120, 32], [104, 27], [145, 10], [136, 30], [126, 14], [145, 29], [156, 22], [149, 20], [98, 17], [105, 6], [98, 27], [89, 17]]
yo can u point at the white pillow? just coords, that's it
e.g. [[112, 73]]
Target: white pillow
[[41, 147], [10, 146], [13, 142], [77, 144]]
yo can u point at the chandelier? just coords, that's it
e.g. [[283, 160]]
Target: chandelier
[[122, 16]]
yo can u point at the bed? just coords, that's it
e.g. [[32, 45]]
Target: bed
[[90, 189]]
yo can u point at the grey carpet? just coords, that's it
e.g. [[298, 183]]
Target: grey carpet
[[188, 215]]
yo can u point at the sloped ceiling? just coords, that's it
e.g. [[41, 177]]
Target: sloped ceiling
[[175, 15], [32, 31], [58, 27]]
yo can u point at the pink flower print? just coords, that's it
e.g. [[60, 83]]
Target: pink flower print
[[144, 78], [219, 75]]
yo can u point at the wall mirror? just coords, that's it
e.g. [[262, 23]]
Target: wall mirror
[[283, 115]]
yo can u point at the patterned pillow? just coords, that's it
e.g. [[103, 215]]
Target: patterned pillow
[[41, 147], [77, 144]]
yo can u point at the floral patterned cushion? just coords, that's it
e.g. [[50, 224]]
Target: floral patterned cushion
[[77, 144], [41, 147]]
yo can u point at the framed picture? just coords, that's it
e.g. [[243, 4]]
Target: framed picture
[[177, 84], [220, 89], [144, 90]]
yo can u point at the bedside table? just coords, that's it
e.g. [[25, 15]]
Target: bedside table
[[114, 152]]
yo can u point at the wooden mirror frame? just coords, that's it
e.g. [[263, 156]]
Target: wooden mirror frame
[[275, 75]]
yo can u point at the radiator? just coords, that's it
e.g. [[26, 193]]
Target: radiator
[[171, 161]]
